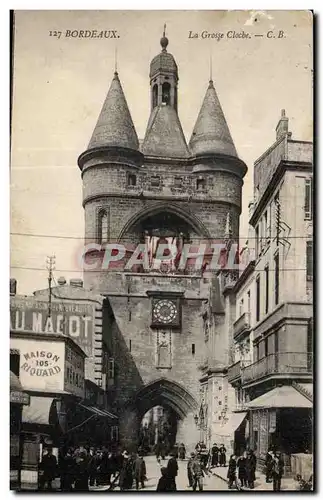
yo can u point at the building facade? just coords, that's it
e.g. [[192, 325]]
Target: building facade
[[67, 388], [275, 381], [162, 190]]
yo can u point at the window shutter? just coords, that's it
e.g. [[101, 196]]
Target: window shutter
[[309, 260]]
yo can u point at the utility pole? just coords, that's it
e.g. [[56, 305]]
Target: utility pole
[[50, 267]]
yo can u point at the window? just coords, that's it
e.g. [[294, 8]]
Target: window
[[261, 234], [266, 289], [166, 93], [266, 346], [257, 241], [255, 440], [130, 345], [155, 181], [309, 344], [258, 298], [200, 184], [276, 342], [178, 181], [193, 349], [276, 264], [155, 95], [110, 371], [15, 363], [266, 232], [114, 433], [309, 260], [277, 216], [308, 206], [103, 227], [132, 180], [241, 308], [249, 302]]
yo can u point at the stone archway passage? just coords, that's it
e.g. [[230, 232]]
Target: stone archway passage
[[162, 392]]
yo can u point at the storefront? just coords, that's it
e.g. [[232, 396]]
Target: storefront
[[232, 433], [281, 419], [51, 370], [18, 400]]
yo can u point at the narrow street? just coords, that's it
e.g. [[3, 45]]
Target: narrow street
[[211, 483]]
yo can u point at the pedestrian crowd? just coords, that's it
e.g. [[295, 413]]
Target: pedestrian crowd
[[242, 470], [81, 467]]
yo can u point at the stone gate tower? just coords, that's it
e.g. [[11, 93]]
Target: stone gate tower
[[161, 190]]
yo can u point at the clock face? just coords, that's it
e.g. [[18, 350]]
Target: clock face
[[165, 311]]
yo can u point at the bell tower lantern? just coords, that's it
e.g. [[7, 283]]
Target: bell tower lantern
[[163, 77]]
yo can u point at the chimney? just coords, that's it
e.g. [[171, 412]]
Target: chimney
[[13, 287], [76, 283], [282, 126], [61, 281]]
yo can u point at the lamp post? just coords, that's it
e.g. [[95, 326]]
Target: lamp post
[[200, 423]]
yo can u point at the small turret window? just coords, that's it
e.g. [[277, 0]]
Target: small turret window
[[103, 227], [166, 93], [200, 184], [155, 95], [132, 180]]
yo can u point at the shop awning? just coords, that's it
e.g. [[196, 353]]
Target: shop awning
[[234, 422], [306, 388], [38, 411], [281, 397], [99, 411]]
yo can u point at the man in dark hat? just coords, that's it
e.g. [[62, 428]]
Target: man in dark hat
[[172, 470], [278, 469], [49, 467]]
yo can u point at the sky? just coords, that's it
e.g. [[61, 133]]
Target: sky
[[59, 85]]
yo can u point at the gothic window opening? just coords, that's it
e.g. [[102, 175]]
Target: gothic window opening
[[200, 184], [193, 349], [155, 181], [155, 95], [166, 93], [132, 180], [103, 227]]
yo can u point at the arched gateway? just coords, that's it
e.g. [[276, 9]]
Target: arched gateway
[[168, 394]]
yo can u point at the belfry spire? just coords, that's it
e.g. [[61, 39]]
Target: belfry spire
[[211, 134]]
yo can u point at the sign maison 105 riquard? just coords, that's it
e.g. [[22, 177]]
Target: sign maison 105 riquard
[[74, 320]]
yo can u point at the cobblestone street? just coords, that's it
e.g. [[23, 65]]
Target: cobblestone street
[[211, 483]]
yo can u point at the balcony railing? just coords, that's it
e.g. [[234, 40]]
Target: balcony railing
[[241, 325], [234, 371], [280, 363]]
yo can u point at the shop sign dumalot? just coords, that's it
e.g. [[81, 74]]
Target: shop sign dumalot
[[75, 320]]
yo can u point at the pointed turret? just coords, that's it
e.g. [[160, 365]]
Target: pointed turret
[[115, 127], [164, 134], [211, 133]]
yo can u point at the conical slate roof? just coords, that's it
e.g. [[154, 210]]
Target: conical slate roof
[[164, 134], [211, 134], [115, 126]]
